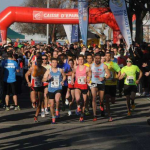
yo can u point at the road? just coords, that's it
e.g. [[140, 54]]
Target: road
[[18, 131]]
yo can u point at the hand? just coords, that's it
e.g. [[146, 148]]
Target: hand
[[62, 83], [72, 82], [147, 74], [137, 81], [29, 84], [144, 65], [101, 79]]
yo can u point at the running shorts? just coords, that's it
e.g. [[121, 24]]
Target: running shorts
[[100, 87], [52, 95], [110, 90], [128, 89], [10, 88]]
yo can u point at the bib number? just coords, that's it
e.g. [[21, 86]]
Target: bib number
[[69, 80], [55, 82], [38, 82], [130, 79], [81, 80]]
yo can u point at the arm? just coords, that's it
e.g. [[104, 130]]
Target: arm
[[46, 75], [73, 76], [27, 76], [107, 71], [64, 76], [140, 76], [89, 74]]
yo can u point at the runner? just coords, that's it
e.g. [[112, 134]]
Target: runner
[[8, 74], [129, 72], [56, 77], [81, 75], [36, 85], [98, 71], [45, 84], [111, 83]]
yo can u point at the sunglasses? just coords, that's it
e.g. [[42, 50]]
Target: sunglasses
[[44, 59], [129, 61]]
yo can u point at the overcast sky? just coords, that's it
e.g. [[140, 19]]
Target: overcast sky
[[6, 3]]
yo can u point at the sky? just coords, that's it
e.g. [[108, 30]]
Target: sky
[[6, 3]]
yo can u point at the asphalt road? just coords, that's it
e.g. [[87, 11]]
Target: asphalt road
[[18, 130]]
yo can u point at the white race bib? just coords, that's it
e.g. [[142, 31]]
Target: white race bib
[[37, 82], [81, 80], [69, 79], [55, 82], [130, 80]]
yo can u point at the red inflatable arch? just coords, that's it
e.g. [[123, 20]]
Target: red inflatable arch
[[54, 16]]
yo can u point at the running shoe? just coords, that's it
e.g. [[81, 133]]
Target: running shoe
[[46, 112], [67, 102], [133, 106], [95, 118], [57, 114], [17, 108], [102, 114], [35, 119], [7, 108], [110, 119], [33, 105], [77, 112], [53, 120], [42, 114], [69, 113], [101, 106], [81, 119], [129, 113]]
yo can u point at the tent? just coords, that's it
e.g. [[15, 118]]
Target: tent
[[14, 35]]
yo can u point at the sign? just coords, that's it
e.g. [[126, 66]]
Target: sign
[[118, 8], [83, 19], [40, 15], [75, 34]]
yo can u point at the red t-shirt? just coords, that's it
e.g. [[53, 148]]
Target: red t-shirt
[[122, 61]]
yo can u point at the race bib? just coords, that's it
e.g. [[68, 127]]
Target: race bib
[[130, 80], [38, 82], [55, 82], [81, 80], [93, 85], [69, 79]]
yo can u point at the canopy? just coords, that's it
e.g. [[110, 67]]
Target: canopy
[[14, 35]]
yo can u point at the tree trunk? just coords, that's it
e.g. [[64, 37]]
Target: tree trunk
[[53, 34], [109, 33], [139, 29]]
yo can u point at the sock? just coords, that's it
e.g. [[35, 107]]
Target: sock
[[42, 109]]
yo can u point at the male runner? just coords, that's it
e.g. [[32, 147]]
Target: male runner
[[98, 71], [111, 83], [129, 72], [36, 85], [81, 75], [56, 77]]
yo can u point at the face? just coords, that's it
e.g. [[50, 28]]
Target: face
[[115, 50], [89, 59], [103, 59], [121, 53], [39, 62], [55, 54], [108, 57], [69, 57], [84, 49], [44, 59], [80, 60], [97, 60], [129, 62], [54, 63], [96, 50], [71, 64]]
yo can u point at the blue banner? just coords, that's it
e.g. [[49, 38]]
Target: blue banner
[[83, 13], [75, 34]]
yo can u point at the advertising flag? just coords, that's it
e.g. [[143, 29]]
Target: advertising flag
[[118, 8], [75, 34], [68, 30], [83, 12]]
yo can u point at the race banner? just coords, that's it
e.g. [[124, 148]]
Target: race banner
[[118, 8], [75, 34], [83, 13], [68, 30]]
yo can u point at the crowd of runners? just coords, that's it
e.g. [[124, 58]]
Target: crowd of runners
[[74, 75]]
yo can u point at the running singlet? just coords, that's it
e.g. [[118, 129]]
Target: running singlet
[[113, 68], [56, 80], [36, 77], [97, 72], [130, 72], [80, 81]]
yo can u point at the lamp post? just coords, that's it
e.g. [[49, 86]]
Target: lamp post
[[47, 25]]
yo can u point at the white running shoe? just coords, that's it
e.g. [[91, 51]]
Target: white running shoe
[[42, 114], [67, 102], [46, 112], [69, 113]]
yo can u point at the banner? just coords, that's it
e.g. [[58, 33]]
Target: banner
[[75, 34], [68, 30], [83, 19], [118, 8]]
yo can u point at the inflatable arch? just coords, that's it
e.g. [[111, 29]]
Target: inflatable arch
[[54, 16]]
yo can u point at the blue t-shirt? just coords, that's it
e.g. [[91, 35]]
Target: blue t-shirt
[[66, 68], [10, 67], [115, 60]]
